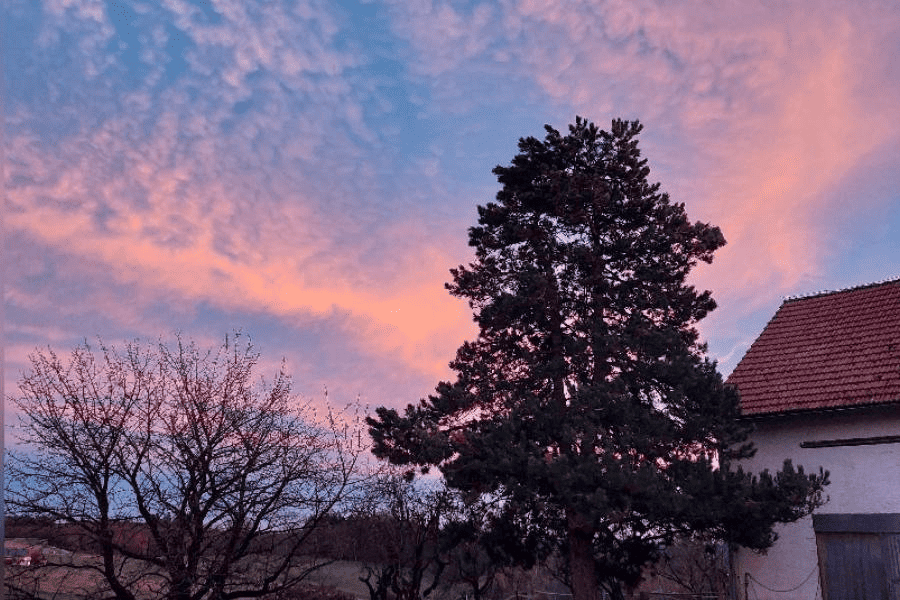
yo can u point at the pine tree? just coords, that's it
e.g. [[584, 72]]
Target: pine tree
[[587, 406]]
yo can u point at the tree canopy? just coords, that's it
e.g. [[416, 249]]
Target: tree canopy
[[587, 406], [190, 478]]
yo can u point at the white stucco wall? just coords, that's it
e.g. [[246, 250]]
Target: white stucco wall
[[863, 480]]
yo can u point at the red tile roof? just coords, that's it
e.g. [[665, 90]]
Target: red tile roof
[[832, 350]]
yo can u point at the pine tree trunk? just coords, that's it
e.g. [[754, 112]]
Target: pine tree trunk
[[581, 559]]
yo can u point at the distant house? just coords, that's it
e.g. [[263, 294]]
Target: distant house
[[24, 552], [822, 385]]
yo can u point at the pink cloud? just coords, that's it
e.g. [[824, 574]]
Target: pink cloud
[[449, 36], [754, 114], [291, 40], [174, 227], [759, 116], [777, 101], [777, 167], [176, 199]]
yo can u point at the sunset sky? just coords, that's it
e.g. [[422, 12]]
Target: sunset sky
[[306, 171]]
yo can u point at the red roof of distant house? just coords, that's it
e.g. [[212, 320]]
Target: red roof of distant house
[[832, 350]]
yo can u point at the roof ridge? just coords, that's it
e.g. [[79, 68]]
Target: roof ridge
[[820, 293]]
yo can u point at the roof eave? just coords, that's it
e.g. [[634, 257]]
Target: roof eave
[[777, 414]]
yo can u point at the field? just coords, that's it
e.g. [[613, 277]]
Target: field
[[70, 581], [67, 577]]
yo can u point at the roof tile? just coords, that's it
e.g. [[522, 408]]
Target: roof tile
[[836, 349]]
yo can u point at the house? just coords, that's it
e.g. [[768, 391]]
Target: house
[[821, 384], [24, 552]]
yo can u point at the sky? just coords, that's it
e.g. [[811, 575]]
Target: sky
[[306, 171]]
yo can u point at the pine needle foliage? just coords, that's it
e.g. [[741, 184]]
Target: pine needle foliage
[[587, 405]]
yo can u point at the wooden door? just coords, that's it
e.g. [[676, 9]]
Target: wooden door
[[859, 566]]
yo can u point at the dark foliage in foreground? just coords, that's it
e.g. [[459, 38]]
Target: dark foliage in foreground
[[586, 406]]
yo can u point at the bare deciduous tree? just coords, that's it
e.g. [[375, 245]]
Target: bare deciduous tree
[[189, 477], [697, 566], [405, 523]]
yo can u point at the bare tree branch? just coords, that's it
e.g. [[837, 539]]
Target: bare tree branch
[[178, 465]]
